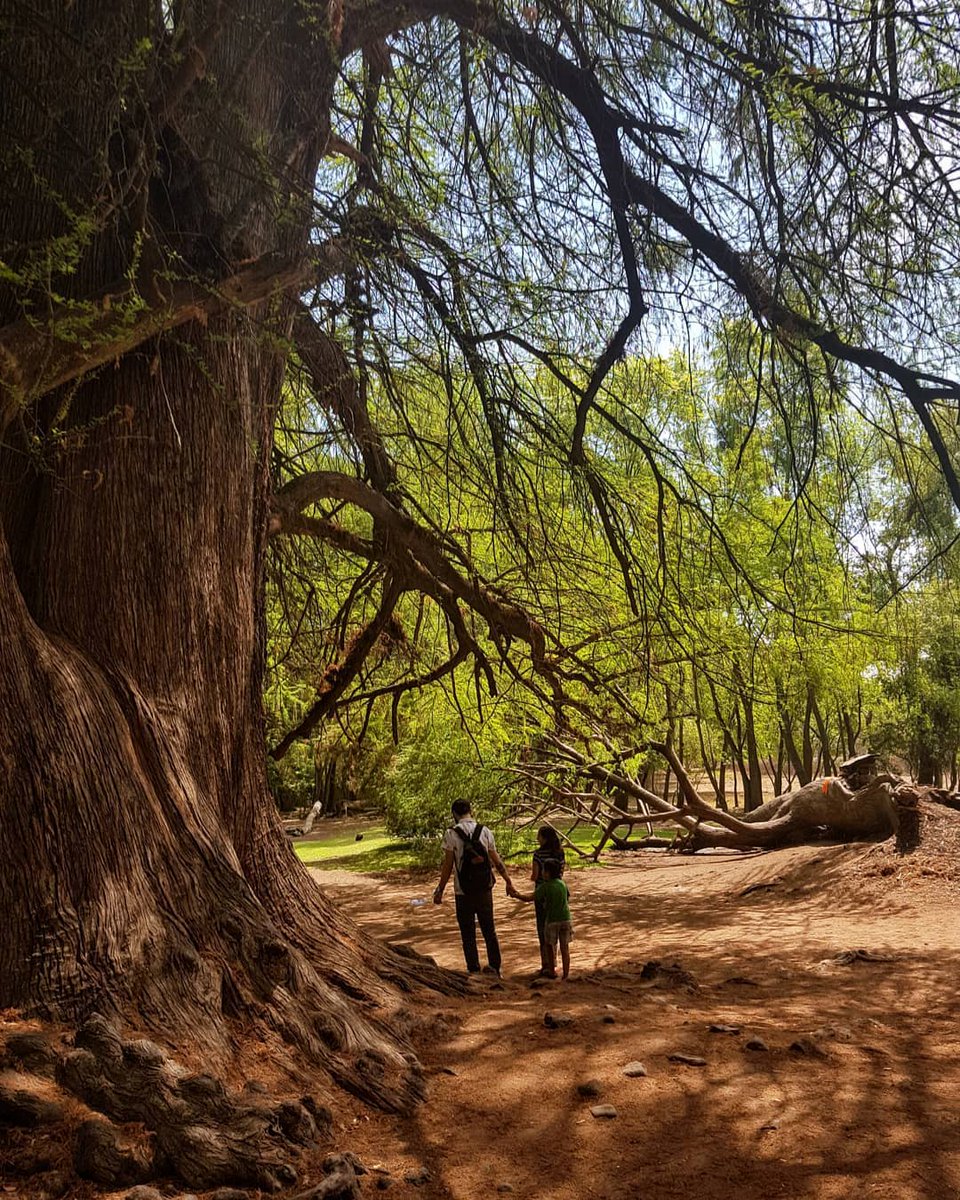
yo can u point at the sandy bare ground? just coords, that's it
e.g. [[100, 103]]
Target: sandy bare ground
[[867, 1102]]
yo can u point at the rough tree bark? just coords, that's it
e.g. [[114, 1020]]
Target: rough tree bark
[[143, 871]]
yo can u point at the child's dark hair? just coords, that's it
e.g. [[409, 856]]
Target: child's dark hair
[[551, 839], [552, 868]]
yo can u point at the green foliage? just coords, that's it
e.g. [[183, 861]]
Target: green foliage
[[741, 611], [922, 721], [438, 763]]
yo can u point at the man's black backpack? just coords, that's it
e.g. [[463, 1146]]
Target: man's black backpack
[[473, 870]]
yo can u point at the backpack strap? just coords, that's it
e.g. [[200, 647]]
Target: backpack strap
[[469, 838]]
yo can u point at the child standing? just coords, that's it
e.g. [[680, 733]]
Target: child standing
[[554, 895], [548, 848]]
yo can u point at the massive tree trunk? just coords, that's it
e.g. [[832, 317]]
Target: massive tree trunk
[[143, 870]]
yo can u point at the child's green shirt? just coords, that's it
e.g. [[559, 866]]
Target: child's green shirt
[[553, 896]]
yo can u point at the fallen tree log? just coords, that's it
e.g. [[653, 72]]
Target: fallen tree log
[[824, 808]]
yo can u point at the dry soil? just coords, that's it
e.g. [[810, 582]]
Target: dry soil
[[856, 1093]]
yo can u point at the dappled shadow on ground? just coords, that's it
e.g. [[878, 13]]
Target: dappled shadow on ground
[[864, 1101]]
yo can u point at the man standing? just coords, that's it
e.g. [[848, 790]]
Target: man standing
[[470, 855]]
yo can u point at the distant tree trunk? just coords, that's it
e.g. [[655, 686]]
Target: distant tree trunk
[[825, 757], [928, 767], [743, 764], [717, 780], [851, 732], [753, 782], [794, 757], [808, 764], [732, 741], [330, 789], [670, 722]]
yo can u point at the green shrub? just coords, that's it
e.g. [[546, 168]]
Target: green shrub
[[432, 769]]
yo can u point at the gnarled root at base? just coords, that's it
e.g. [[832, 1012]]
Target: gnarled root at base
[[188, 1125]]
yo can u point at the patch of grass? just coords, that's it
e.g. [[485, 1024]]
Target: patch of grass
[[584, 837], [380, 852]]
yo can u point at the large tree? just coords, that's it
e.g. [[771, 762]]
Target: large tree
[[456, 187]]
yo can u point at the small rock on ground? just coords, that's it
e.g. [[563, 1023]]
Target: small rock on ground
[[603, 1112], [418, 1177], [557, 1020], [143, 1193], [634, 1070], [724, 1028], [504, 1187], [755, 1043], [839, 1033], [688, 1060], [807, 1048]]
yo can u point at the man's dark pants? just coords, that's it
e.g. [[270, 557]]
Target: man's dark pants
[[471, 909]]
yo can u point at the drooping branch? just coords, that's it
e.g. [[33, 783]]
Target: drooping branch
[[339, 676], [581, 88], [335, 388], [426, 547]]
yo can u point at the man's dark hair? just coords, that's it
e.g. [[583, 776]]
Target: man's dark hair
[[460, 808]]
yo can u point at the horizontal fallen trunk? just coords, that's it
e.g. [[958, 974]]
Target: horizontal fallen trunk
[[821, 808]]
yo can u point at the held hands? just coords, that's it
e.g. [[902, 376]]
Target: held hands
[[438, 895], [511, 890]]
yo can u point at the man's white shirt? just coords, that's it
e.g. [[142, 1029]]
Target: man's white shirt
[[453, 841]]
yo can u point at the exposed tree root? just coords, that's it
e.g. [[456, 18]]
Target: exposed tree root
[[188, 1125]]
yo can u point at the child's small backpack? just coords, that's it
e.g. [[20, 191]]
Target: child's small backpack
[[474, 871]]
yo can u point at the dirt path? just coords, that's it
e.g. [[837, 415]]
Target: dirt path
[[867, 1105]]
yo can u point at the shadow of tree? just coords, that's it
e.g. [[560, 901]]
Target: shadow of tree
[[868, 1108]]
